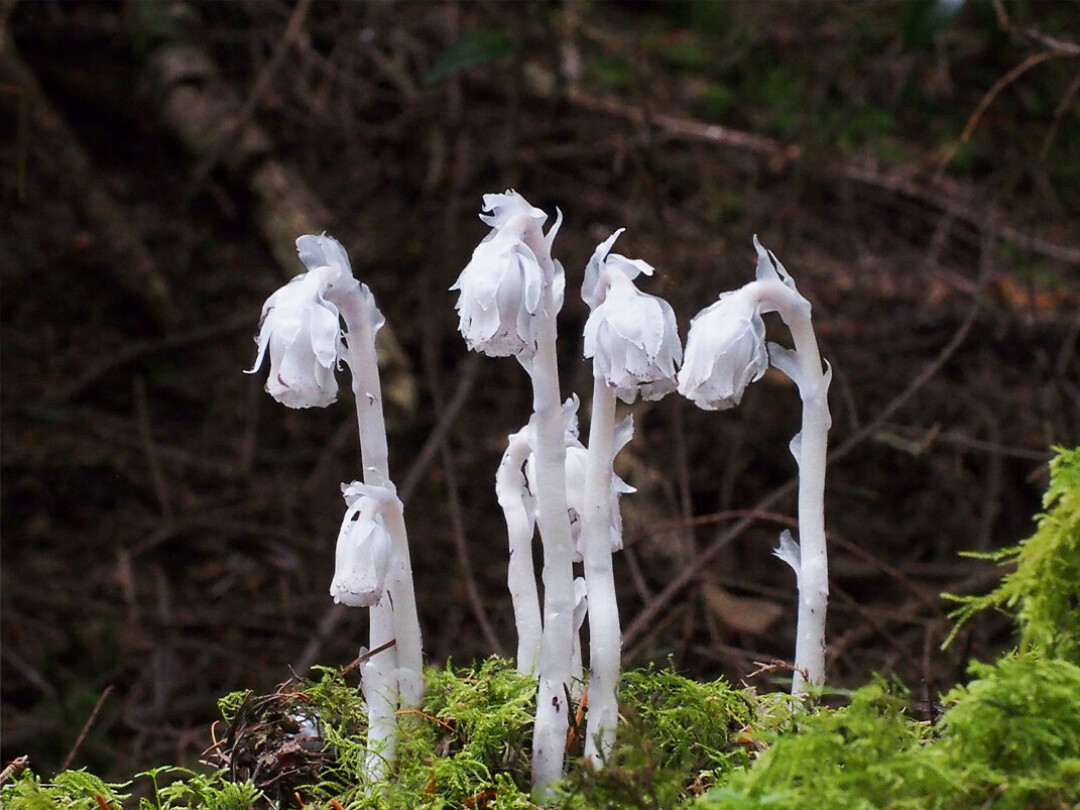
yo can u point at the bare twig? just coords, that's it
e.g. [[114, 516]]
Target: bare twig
[[16, 766], [262, 82], [1061, 46], [86, 728], [946, 197], [1059, 114], [146, 439], [988, 99]]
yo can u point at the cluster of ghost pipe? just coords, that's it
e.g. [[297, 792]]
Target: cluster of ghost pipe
[[511, 292], [301, 328]]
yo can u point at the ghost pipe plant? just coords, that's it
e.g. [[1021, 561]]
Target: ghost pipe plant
[[633, 340], [725, 352], [301, 329], [519, 509], [510, 294]]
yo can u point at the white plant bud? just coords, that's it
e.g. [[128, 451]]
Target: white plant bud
[[500, 289], [363, 548], [725, 352], [631, 336], [301, 328]]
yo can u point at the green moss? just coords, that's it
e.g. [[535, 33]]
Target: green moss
[[1043, 591], [1009, 740], [70, 790], [677, 736]]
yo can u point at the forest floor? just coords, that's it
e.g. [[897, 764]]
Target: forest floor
[[168, 530]]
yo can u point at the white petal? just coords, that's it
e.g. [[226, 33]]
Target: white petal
[[789, 552]]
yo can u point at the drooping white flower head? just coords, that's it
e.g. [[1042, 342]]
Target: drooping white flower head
[[363, 547], [631, 336], [726, 349], [725, 352], [501, 287], [301, 328], [576, 466]]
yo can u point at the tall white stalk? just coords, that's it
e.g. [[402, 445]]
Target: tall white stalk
[[556, 648], [393, 676], [810, 448], [511, 293], [725, 352], [633, 340]]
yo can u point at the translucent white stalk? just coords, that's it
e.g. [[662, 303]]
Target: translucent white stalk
[[725, 352], [605, 635], [810, 447], [556, 649], [513, 495], [394, 675], [376, 682]]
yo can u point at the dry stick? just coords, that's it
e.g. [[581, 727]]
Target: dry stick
[[292, 30], [690, 572], [86, 728], [991, 94], [1059, 114], [153, 459], [461, 549], [19, 764], [141, 348], [889, 570], [896, 183], [1049, 42]]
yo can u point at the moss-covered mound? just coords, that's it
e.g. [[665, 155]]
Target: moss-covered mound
[[1010, 738]]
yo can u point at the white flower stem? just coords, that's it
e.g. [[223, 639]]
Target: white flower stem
[[375, 683], [396, 677], [556, 649], [520, 573], [814, 563], [605, 636], [813, 574]]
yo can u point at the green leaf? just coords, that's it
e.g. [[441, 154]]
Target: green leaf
[[474, 48], [926, 19]]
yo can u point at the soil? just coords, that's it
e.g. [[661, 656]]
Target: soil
[[168, 530]]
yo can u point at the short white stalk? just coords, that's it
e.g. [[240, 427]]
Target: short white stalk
[[512, 493], [605, 636], [406, 621], [381, 700]]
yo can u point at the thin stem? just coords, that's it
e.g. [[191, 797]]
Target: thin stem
[[520, 573], [406, 621], [813, 555], [379, 683], [605, 640], [556, 649], [813, 573]]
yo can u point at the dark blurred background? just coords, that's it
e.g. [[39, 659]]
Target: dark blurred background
[[168, 530]]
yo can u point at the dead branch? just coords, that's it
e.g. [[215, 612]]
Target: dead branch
[[947, 197], [61, 160]]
